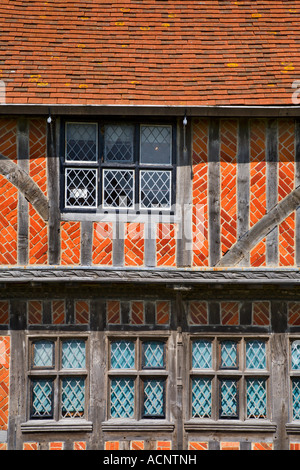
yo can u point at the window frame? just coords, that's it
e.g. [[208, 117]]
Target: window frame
[[241, 374], [100, 165], [139, 374], [56, 373]]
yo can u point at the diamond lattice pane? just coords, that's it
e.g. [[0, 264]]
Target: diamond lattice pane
[[229, 399], [296, 355], [73, 391], [118, 143], [73, 354], [81, 187], [43, 354], [122, 354], [296, 398], [122, 398], [256, 398], [156, 145], [155, 189], [153, 354], [118, 188], [255, 354], [201, 398], [154, 392], [42, 398], [81, 142], [229, 354], [202, 354]]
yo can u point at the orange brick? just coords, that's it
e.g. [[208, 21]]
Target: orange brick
[[134, 244], [262, 446], [4, 312], [56, 446], [230, 313], [30, 446], [258, 254], [58, 312], [261, 313], [112, 445], [137, 313], [165, 245], [38, 153], [113, 312], [102, 243], [294, 446], [8, 222], [163, 445], [294, 313], [196, 445], [286, 241], [34, 312], [82, 312], [228, 196], [137, 445], [4, 381], [70, 243], [200, 188], [230, 446], [79, 445], [163, 311], [198, 313], [38, 238]]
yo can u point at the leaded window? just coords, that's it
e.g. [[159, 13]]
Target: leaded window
[[57, 377], [118, 165], [229, 378], [295, 378], [137, 378]]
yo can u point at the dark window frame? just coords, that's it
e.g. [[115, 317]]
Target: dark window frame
[[100, 165]]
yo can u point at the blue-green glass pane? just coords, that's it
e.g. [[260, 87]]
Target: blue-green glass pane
[[296, 398], [73, 390], [256, 354], [201, 398], [153, 354], [42, 398], [296, 355], [229, 399], [122, 354], [202, 354], [256, 398], [228, 354], [154, 391], [122, 398], [43, 354], [73, 354]]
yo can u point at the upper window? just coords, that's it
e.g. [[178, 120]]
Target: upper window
[[118, 166]]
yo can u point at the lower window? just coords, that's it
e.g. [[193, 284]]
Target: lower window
[[137, 378], [229, 378], [57, 378]]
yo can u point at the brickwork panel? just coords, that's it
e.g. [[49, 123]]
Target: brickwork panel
[[258, 254], [196, 445], [262, 446], [228, 196], [38, 153], [70, 243], [82, 312], [200, 192], [34, 312], [294, 313], [38, 238], [163, 445], [79, 445], [286, 239], [113, 309], [230, 446], [166, 245], [8, 222], [4, 312], [261, 313], [163, 312], [58, 312], [134, 244], [4, 381], [102, 244], [137, 313], [30, 446], [258, 196], [137, 445], [229, 313], [198, 313]]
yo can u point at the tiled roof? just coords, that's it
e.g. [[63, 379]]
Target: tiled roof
[[150, 52]]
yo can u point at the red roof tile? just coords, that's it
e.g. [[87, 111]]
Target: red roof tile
[[150, 52]]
